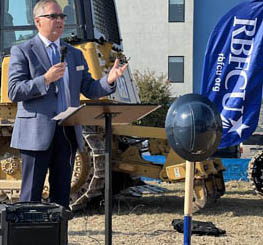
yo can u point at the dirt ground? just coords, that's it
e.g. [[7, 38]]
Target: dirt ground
[[147, 220]]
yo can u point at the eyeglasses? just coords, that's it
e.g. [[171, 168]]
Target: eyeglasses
[[54, 16]]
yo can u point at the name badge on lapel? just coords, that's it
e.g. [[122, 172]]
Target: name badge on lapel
[[80, 68]]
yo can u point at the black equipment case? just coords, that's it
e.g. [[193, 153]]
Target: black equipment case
[[32, 223]]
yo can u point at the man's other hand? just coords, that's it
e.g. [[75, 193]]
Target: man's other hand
[[116, 71]]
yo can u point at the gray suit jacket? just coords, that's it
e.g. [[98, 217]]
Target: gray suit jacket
[[36, 105]]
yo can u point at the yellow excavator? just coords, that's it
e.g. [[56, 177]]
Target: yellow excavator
[[92, 26]]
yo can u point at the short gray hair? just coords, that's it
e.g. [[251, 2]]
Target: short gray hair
[[40, 6]]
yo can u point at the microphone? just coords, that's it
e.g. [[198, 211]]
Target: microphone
[[63, 51]]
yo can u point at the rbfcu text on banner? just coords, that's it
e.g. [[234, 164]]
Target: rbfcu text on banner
[[233, 70]]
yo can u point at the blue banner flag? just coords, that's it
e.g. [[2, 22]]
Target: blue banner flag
[[233, 70]]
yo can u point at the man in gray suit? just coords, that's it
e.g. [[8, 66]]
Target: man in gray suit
[[42, 86]]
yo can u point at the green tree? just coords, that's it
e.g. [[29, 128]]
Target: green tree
[[153, 89]]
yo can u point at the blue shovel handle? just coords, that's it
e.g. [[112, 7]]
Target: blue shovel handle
[[188, 202]]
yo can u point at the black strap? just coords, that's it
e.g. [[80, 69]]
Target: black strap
[[199, 228]]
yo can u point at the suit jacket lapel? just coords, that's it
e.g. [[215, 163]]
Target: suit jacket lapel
[[40, 51], [71, 65]]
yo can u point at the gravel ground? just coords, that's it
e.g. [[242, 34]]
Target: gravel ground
[[147, 220]]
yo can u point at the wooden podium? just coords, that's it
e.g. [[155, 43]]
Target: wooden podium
[[105, 114]]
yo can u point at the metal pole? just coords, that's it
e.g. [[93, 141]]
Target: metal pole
[[188, 199], [108, 180]]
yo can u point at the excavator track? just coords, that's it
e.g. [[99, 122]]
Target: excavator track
[[255, 173], [93, 165]]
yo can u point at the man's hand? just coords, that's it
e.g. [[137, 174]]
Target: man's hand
[[116, 72], [54, 73]]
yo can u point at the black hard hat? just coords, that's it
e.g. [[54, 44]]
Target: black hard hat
[[193, 127]]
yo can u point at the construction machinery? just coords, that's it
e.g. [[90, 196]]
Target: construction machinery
[[92, 26], [252, 149]]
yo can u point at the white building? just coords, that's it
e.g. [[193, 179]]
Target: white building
[[158, 35]]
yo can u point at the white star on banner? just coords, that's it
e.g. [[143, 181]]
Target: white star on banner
[[237, 126]]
